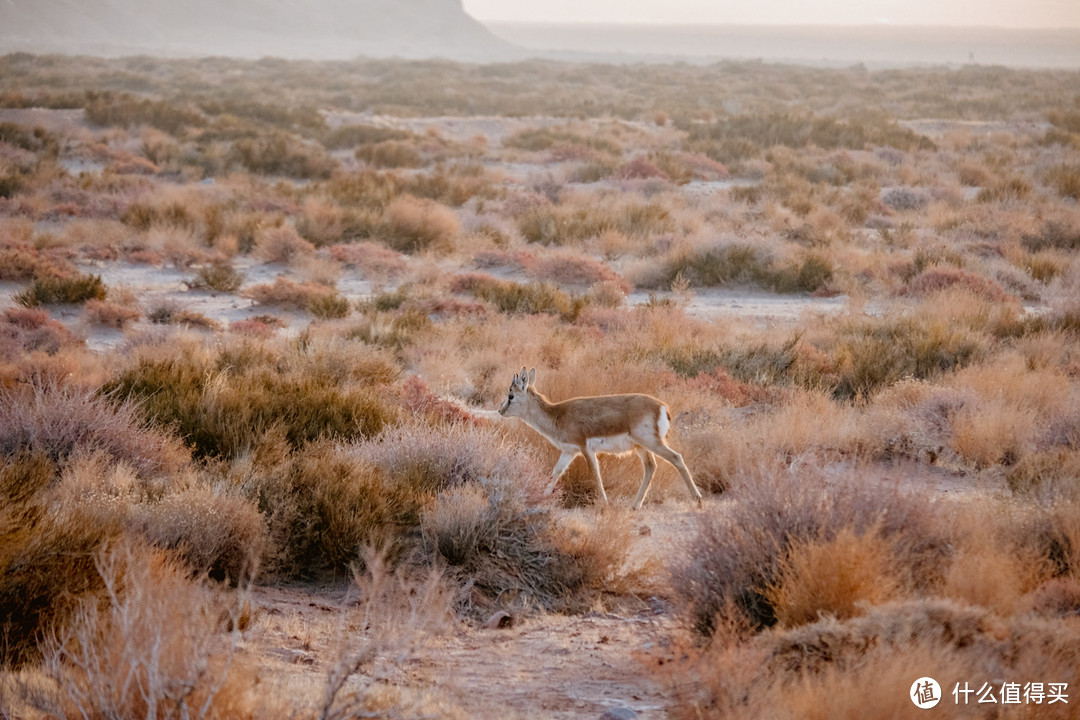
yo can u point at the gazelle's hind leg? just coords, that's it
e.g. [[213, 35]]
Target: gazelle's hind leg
[[595, 467], [648, 464], [663, 450]]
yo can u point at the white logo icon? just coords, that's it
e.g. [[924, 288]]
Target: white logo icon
[[925, 693]]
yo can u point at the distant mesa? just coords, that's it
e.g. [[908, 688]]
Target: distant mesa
[[317, 29]]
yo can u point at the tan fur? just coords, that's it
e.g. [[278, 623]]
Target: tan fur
[[625, 422]]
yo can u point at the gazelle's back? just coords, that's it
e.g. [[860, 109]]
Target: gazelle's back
[[607, 415]]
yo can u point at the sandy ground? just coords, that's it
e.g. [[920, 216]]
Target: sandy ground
[[550, 666]]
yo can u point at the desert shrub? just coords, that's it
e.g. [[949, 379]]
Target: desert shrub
[[219, 277], [936, 279], [22, 262], [413, 225], [904, 199], [351, 135], [731, 263], [872, 355], [216, 534], [741, 553], [546, 138], [26, 330], [640, 169], [334, 499], [1049, 472], [569, 268], [390, 154], [375, 260], [492, 541], [394, 329], [1054, 235], [36, 140], [280, 153], [323, 223], [864, 666], [560, 225], [325, 505], [109, 314], [309, 296], [144, 215], [63, 422], [151, 644], [170, 312], [221, 409], [517, 298], [1066, 180], [124, 110], [735, 137], [281, 244], [607, 293], [1004, 190], [46, 556], [329, 307], [591, 172], [833, 577], [71, 289]]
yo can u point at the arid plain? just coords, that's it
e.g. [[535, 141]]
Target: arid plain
[[256, 318]]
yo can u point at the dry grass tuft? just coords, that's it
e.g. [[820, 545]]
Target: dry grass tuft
[[56, 289], [413, 225], [838, 577], [64, 422], [741, 554], [864, 667], [150, 645], [109, 314]]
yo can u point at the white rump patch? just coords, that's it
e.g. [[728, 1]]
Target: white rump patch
[[612, 445], [663, 424]]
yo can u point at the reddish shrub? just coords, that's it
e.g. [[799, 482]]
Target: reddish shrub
[[24, 330], [639, 169], [936, 279]]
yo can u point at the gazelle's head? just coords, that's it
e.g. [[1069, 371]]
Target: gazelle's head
[[518, 397]]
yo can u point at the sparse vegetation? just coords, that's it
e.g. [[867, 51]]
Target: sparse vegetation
[[864, 323]]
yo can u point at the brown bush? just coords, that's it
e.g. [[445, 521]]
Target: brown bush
[[937, 279], [286, 293], [68, 289], [376, 261], [740, 554], [281, 245], [154, 648], [569, 268], [864, 667], [109, 314], [836, 577], [27, 330], [63, 422], [413, 225], [46, 555]]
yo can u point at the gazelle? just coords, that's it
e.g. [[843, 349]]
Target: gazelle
[[614, 424]]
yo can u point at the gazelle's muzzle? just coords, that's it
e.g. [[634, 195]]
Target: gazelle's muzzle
[[505, 406]]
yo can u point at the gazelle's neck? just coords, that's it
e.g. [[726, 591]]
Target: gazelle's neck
[[539, 415]]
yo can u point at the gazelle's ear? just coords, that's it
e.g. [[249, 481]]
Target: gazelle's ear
[[532, 376]]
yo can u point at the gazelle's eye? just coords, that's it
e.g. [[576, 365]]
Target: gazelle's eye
[[511, 396]]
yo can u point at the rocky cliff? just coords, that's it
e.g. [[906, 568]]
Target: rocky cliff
[[248, 28]]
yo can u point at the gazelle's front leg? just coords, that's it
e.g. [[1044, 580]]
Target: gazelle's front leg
[[560, 467]]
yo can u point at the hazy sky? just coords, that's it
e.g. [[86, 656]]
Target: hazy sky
[[1009, 13]]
